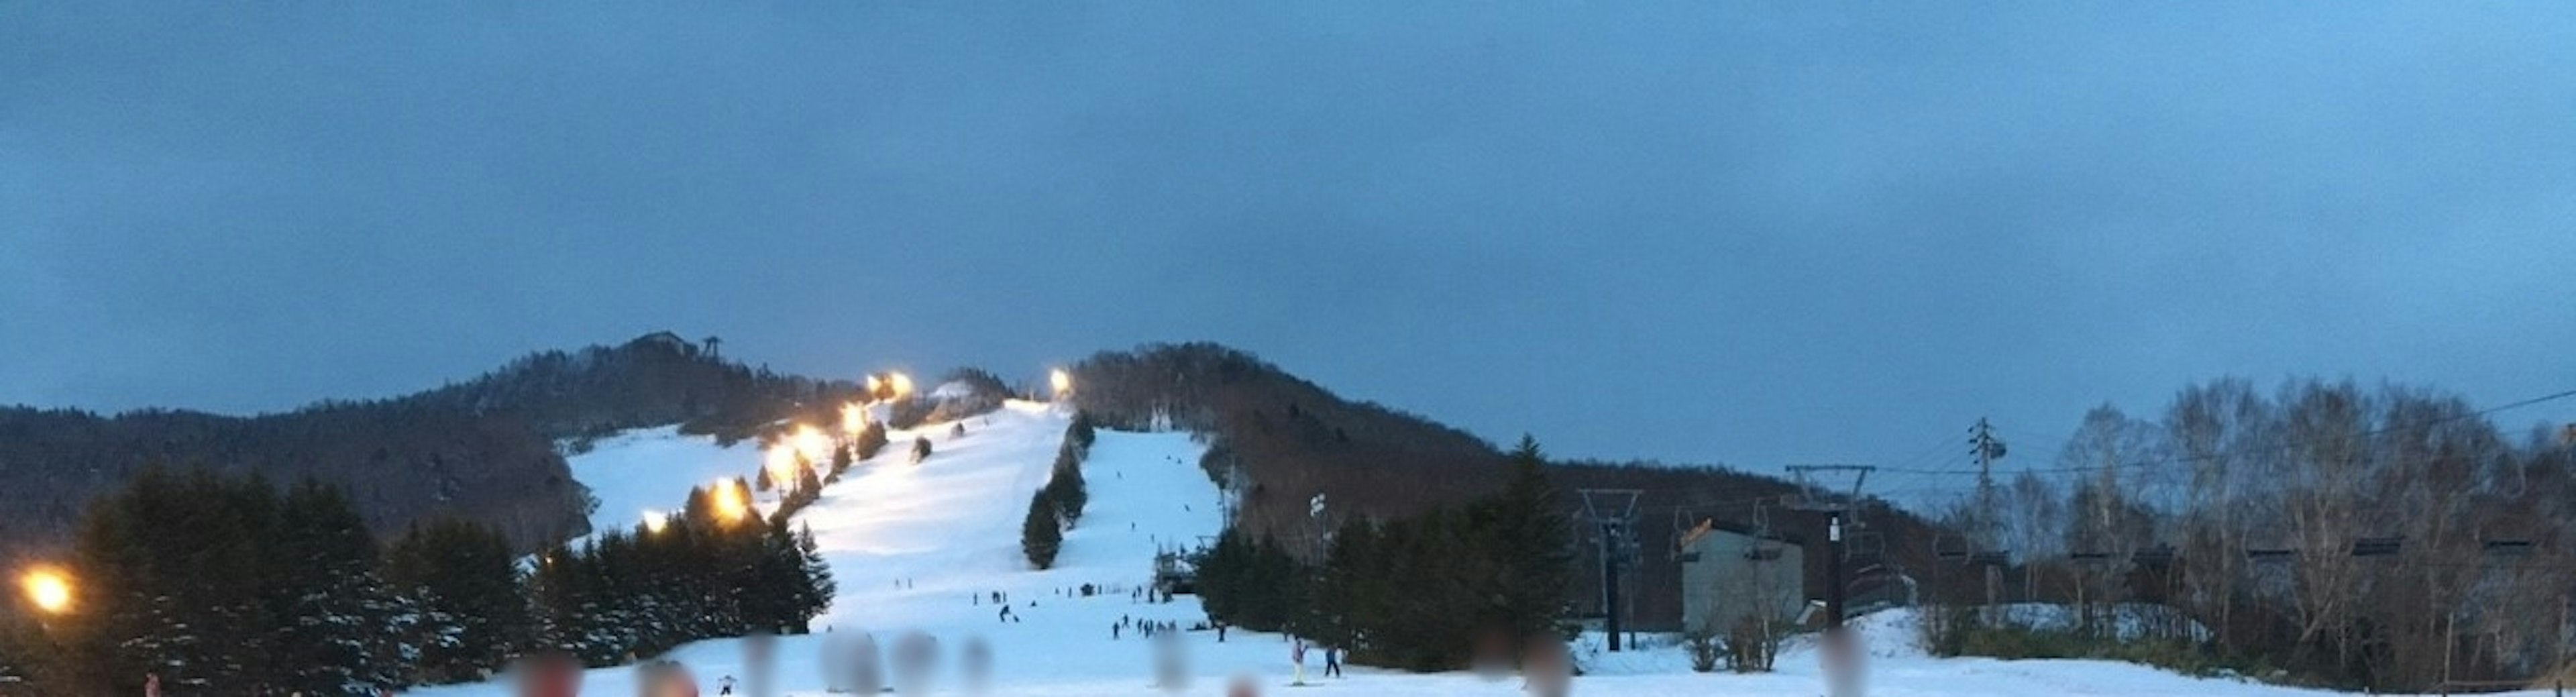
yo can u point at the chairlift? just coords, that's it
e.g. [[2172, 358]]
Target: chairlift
[[1990, 557], [1865, 544], [2507, 547], [2089, 558], [2270, 554], [2377, 546], [1950, 547], [2159, 556]]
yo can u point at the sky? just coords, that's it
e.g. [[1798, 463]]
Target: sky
[[1752, 233]]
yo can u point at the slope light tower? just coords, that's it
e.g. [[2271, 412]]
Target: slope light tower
[[1612, 514]]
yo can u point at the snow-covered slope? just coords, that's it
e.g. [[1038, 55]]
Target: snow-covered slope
[[922, 547]]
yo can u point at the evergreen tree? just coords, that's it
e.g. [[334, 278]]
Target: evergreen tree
[[1065, 488], [871, 440], [337, 631], [1534, 540], [808, 484], [466, 587], [1040, 533]]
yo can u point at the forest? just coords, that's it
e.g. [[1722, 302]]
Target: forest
[[2387, 537], [202, 579]]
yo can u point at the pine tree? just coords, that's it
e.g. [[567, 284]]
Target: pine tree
[[1533, 538], [807, 483], [1040, 533], [337, 631], [465, 584], [1065, 488]]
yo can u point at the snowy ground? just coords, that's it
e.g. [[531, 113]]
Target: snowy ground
[[913, 547]]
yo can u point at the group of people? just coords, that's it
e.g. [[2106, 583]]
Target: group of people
[[1144, 628], [1332, 660]]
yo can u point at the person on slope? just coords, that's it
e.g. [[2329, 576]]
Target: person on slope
[[724, 685], [1297, 656], [1332, 662]]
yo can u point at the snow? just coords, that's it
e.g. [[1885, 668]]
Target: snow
[[652, 470], [912, 546]]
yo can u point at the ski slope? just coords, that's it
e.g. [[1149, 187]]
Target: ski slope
[[921, 547]]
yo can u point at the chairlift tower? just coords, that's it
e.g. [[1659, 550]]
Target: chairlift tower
[[1836, 504], [1612, 514]]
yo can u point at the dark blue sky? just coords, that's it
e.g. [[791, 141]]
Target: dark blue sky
[[1752, 233]]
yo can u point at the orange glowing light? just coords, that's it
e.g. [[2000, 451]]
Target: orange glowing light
[[780, 463], [902, 383], [811, 443], [50, 590], [729, 502]]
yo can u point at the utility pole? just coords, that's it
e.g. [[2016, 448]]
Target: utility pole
[[1983, 444], [1835, 506], [1613, 514]]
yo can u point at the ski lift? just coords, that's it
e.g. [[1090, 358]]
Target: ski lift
[[2377, 546], [2157, 557], [1950, 547], [1865, 544], [2506, 547], [2270, 554], [1990, 557]]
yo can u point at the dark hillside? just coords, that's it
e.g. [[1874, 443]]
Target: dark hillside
[[483, 449], [1284, 440]]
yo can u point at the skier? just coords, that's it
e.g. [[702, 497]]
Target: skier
[[1113, 632], [724, 685], [1005, 615], [1297, 655], [1332, 662], [1220, 632]]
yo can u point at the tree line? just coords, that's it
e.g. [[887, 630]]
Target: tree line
[[1421, 592], [2387, 537], [1058, 505], [229, 585]]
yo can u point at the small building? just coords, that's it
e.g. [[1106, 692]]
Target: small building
[[1732, 574]]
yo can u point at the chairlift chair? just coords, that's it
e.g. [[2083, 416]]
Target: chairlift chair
[[2378, 546]]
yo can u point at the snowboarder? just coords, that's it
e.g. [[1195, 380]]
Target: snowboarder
[[1332, 662], [1006, 615], [724, 685]]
